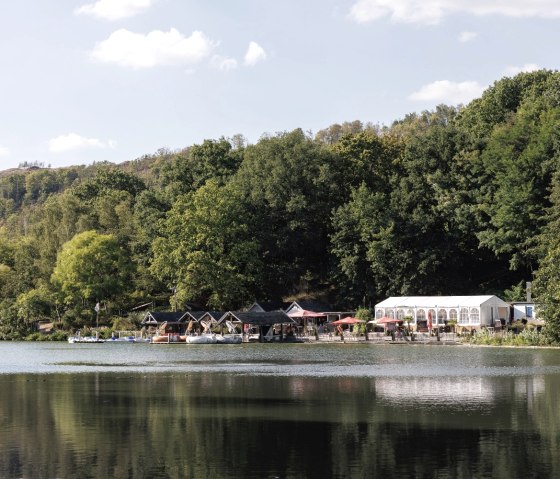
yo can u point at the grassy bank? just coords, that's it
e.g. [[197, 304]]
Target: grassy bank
[[527, 337]]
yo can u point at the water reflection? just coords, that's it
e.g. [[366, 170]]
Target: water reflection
[[214, 425], [191, 420]]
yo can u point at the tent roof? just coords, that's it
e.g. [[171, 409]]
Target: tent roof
[[440, 301]]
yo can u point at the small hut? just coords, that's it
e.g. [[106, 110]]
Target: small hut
[[263, 326]]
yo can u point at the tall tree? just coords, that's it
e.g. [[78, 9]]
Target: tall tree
[[91, 267], [290, 184], [207, 250]]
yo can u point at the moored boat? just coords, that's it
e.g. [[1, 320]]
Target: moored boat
[[168, 339], [128, 337], [85, 339], [202, 339], [229, 338]]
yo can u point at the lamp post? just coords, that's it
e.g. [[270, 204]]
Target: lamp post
[[174, 290], [97, 308]]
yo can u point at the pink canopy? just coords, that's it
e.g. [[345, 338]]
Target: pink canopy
[[385, 320], [304, 313], [348, 320]]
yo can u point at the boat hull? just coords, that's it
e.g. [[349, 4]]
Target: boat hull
[[202, 339], [84, 340], [229, 339]]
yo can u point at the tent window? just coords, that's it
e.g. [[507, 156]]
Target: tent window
[[475, 317], [432, 314], [453, 315], [464, 316]]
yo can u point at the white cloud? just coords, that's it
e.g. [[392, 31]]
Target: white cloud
[[4, 151], [255, 53], [224, 64], [433, 11], [114, 9], [72, 141], [156, 48], [445, 91], [465, 37], [514, 70]]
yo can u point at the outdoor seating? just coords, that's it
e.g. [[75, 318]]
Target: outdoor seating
[[376, 336]]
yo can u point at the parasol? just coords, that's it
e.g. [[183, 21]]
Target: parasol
[[348, 320]]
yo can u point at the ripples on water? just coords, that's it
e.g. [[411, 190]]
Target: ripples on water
[[138, 410]]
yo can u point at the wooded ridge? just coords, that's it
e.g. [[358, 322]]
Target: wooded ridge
[[459, 200]]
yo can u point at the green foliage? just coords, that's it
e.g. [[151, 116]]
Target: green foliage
[[459, 200], [207, 251], [527, 337], [214, 160], [290, 185], [364, 314], [546, 285], [35, 305], [92, 267], [515, 293], [109, 179]]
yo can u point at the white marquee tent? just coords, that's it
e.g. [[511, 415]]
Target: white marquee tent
[[467, 311]]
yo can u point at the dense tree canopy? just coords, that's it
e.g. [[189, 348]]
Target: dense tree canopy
[[207, 251], [459, 200], [91, 267]]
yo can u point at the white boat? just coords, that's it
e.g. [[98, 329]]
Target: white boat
[[128, 337], [85, 339], [202, 339], [229, 338]]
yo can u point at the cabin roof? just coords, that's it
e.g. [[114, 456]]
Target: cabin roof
[[267, 306], [312, 305], [215, 315], [194, 315], [267, 318], [158, 317]]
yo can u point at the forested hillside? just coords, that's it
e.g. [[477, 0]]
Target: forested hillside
[[453, 201]]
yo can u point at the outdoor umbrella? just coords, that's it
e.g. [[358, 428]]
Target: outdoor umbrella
[[385, 320], [304, 313], [348, 320]]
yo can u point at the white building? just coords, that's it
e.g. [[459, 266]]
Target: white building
[[523, 310], [468, 311]]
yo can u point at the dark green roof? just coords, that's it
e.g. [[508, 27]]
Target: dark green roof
[[260, 319], [158, 317]]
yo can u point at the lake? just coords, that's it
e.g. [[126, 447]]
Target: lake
[[278, 411]]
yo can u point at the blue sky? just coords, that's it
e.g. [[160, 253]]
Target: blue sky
[[87, 80]]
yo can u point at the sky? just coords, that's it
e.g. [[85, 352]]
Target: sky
[[113, 80]]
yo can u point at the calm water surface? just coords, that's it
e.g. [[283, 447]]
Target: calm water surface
[[277, 411]]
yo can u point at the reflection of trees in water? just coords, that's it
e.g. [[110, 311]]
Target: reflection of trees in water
[[211, 425]]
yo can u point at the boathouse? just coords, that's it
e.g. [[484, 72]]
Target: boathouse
[[268, 306], [469, 312], [263, 326], [157, 318]]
